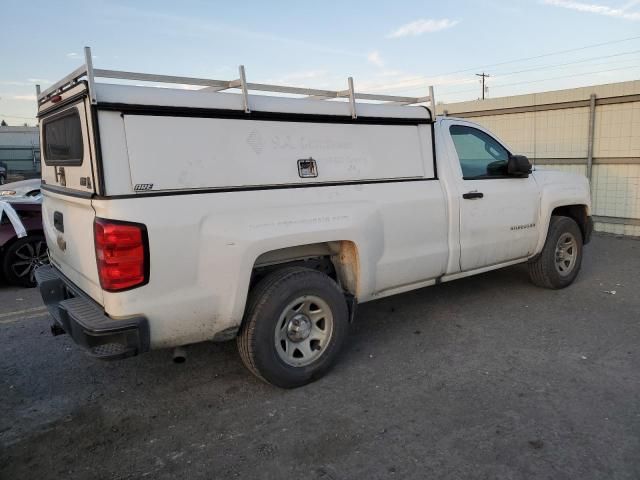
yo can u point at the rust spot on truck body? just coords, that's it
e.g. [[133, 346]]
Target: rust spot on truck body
[[347, 265]]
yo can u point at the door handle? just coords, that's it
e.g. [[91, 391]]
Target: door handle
[[472, 195], [58, 221]]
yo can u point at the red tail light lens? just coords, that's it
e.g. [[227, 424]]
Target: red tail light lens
[[122, 254]]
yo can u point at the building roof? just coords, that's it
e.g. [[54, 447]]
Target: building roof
[[31, 130], [19, 136]]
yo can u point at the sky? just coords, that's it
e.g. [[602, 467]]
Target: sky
[[393, 47]]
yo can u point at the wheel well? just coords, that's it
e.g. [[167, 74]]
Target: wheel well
[[577, 213], [338, 259]]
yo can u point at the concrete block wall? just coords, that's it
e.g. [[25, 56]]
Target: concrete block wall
[[552, 129]]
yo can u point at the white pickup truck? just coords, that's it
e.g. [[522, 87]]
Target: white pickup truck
[[176, 216]]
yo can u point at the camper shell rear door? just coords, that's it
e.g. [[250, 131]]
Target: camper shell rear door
[[66, 124]]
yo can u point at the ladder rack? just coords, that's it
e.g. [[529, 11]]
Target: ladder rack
[[240, 83]]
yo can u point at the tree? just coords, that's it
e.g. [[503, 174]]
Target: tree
[[3, 124]]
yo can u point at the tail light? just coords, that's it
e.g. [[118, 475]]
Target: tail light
[[122, 254]]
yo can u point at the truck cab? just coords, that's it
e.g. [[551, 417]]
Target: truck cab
[[503, 206]]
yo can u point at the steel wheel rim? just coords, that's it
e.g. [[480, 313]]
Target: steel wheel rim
[[30, 256], [566, 254], [303, 331]]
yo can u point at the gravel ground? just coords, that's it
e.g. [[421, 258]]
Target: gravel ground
[[485, 377]]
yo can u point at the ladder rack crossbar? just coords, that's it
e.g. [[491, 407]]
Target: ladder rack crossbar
[[291, 90], [149, 77], [241, 84]]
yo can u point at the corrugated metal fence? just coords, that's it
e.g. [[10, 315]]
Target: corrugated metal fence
[[20, 152]]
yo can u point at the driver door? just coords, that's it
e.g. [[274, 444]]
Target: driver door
[[498, 212]]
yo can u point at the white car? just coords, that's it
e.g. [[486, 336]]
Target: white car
[[177, 216], [22, 188]]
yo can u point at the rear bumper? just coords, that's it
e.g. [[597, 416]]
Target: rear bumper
[[85, 321]]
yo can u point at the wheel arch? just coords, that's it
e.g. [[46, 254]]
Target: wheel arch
[[579, 212], [339, 259]]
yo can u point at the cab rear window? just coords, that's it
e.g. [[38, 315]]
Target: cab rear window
[[63, 139]]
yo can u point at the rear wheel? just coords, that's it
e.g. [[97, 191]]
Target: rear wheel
[[295, 326], [22, 258], [2, 180], [558, 264]]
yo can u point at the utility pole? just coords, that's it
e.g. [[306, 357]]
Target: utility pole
[[483, 75]]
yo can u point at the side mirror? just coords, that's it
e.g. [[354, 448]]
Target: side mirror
[[518, 166]]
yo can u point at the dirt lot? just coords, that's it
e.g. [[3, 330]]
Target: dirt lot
[[486, 377]]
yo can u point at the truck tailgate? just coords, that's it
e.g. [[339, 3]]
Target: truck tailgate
[[68, 227]]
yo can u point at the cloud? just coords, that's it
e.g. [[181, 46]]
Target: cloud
[[375, 58], [30, 82], [397, 82], [30, 98], [605, 10], [203, 28], [300, 77], [14, 83], [74, 55], [389, 73], [304, 75], [422, 25], [179, 87]]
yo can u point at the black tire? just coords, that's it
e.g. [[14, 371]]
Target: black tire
[[21, 259], [546, 269], [2, 180], [269, 300]]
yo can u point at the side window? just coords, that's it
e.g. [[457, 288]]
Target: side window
[[480, 155]]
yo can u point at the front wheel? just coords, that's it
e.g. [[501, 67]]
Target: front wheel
[[558, 264], [294, 328]]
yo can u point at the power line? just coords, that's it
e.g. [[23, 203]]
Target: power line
[[544, 67], [541, 68], [559, 52], [549, 54], [547, 67], [564, 76], [616, 66], [545, 79]]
